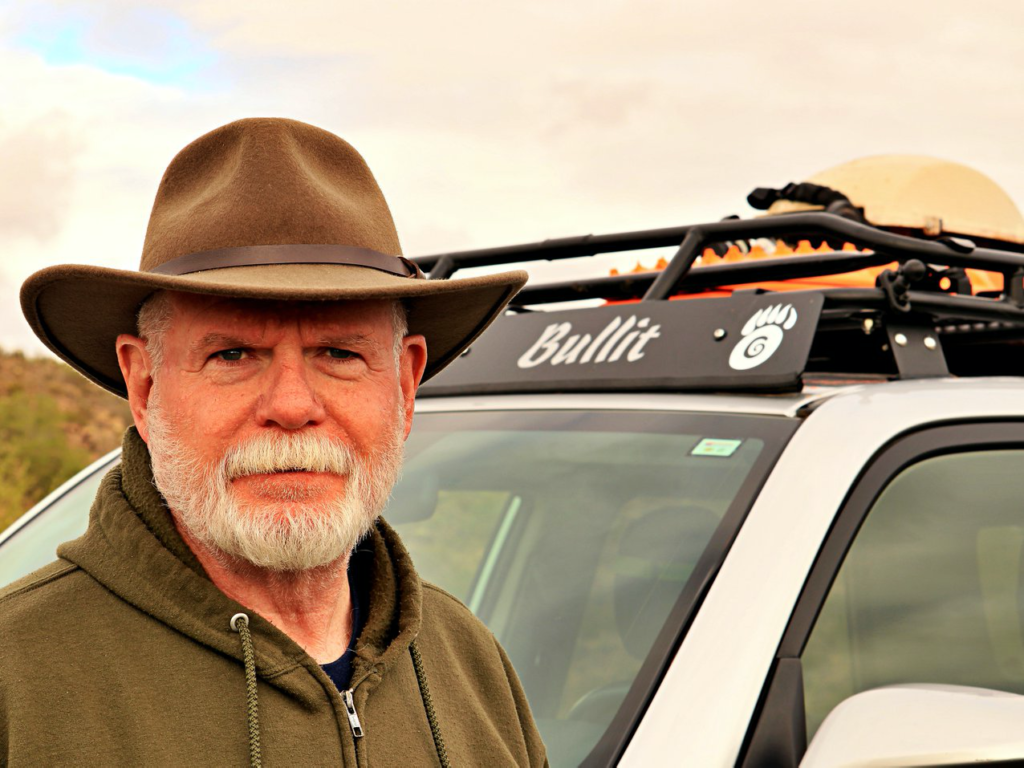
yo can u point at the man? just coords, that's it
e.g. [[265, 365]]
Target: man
[[218, 610]]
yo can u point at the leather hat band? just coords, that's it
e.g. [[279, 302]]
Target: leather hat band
[[260, 255]]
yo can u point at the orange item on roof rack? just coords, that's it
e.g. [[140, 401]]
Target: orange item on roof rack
[[981, 281]]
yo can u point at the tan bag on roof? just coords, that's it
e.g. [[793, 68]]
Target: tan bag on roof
[[923, 193]]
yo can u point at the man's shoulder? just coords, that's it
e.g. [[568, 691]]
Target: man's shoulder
[[446, 615], [48, 588], [437, 600]]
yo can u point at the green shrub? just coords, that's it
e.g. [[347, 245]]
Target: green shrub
[[35, 454], [53, 422]]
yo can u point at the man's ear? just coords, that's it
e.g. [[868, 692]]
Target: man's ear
[[410, 372], [137, 370]]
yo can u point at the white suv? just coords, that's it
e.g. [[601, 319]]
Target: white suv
[[711, 532]]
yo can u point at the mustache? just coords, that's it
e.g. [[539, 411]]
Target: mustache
[[264, 454]]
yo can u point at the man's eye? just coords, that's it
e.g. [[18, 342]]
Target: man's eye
[[340, 354], [230, 355]]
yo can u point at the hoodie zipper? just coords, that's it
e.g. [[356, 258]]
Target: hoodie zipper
[[353, 717]]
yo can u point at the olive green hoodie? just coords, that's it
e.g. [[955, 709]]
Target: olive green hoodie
[[121, 653]]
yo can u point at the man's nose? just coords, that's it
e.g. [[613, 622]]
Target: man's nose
[[289, 400]]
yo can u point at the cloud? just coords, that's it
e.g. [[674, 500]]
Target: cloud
[[77, 144], [149, 43], [490, 124], [39, 166], [521, 120]]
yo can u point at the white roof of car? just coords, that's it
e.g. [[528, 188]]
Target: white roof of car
[[762, 405]]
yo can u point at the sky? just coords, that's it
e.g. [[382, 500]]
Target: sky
[[489, 124]]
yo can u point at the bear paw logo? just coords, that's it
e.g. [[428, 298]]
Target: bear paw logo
[[762, 335]]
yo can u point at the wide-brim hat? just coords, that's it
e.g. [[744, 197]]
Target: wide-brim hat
[[263, 208]]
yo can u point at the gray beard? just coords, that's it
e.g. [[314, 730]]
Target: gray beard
[[289, 535]]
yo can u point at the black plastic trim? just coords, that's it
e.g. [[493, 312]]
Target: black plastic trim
[[780, 737]]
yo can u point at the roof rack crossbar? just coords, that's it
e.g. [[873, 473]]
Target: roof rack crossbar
[[949, 251], [558, 248], [678, 267], [442, 268], [1013, 286], [637, 285], [942, 307]]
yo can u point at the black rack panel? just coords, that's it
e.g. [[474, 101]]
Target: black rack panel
[[746, 342]]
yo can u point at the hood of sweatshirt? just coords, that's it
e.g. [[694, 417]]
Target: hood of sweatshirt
[[133, 548]]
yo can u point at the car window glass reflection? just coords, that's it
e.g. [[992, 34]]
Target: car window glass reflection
[[35, 544], [931, 589]]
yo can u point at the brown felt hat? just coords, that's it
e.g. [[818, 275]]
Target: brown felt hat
[[262, 208]]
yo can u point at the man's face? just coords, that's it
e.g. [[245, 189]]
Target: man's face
[[276, 427]]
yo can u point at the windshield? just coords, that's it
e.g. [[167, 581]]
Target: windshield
[[584, 540]]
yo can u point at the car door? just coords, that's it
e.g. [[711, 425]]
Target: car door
[[921, 580]]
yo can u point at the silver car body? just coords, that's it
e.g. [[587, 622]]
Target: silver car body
[[704, 704], [711, 689]]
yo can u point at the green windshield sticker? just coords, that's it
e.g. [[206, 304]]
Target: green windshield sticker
[[716, 447]]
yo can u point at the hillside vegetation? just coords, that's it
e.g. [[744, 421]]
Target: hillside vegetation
[[53, 422]]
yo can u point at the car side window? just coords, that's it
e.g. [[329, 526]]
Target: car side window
[[932, 587]]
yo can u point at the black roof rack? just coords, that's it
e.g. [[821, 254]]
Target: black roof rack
[[919, 320]]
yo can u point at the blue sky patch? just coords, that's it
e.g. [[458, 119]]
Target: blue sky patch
[[150, 44]]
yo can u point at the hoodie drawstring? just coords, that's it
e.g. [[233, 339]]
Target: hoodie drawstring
[[240, 624], [428, 705]]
